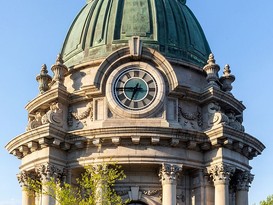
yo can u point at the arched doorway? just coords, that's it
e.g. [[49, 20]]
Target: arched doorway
[[137, 203]]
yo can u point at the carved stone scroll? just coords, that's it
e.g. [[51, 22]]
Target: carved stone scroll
[[215, 116], [54, 115], [34, 121]]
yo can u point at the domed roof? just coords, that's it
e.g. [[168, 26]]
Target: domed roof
[[104, 26]]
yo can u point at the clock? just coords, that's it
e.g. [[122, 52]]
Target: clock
[[135, 89]]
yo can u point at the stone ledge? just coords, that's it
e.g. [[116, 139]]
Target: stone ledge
[[225, 136], [43, 100]]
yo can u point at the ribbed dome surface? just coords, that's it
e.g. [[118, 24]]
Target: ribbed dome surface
[[103, 26]]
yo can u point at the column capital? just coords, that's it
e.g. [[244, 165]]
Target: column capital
[[221, 173], [244, 179], [169, 173], [24, 176], [47, 171]]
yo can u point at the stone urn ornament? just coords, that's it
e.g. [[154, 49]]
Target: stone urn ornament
[[44, 79], [212, 70], [227, 79]]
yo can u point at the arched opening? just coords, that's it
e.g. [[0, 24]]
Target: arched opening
[[136, 203]]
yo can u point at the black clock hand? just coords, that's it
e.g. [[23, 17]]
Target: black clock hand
[[134, 92], [126, 88]]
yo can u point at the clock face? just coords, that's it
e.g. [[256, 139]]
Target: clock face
[[135, 89]]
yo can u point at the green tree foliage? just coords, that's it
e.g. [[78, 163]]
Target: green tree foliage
[[268, 201], [95, 185]]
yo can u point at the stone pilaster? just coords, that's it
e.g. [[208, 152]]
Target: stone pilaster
[[169, 174], [221, 175], [242, 187], [28, 196]]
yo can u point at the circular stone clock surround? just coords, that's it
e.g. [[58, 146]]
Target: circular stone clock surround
[[135, 108]]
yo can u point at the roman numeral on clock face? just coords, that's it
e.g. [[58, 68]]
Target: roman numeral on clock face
[[136, 73], [121, 96], [128, 75]]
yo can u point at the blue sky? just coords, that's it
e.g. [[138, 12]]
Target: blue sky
[[240, 33]]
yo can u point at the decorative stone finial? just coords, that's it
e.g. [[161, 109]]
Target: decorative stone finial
[[43, 79], [211, 59], [59, 60], [212, 70], [227, 79], [59, 70]]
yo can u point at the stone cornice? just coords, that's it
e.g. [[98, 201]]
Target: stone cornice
[[44, 100], [213, 94], [241, 142], [50, 135], [155, 134], [36, 139]]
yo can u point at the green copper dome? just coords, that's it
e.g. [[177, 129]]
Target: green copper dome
[[104, 26]]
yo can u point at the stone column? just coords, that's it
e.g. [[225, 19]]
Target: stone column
[[221, 175], [47, 172], [243, 181], [28, 196], [209, 191], [101, 185], [168, 174]]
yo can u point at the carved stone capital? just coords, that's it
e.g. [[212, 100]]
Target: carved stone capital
[[244, 180], [24, 176], [47, 171], [221, 173], [169, 173]]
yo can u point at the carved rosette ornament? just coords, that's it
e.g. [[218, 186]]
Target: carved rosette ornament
[[244, 180], [169, 173], [212, 70], [227, 79], [43, 79], [59, 70], [221, 173], [54, 115]]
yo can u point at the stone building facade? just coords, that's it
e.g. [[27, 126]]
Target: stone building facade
[[136, 83]]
